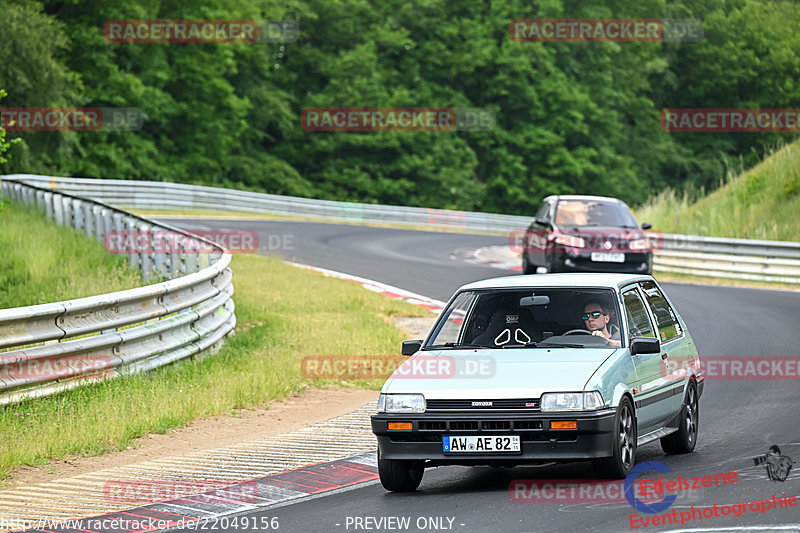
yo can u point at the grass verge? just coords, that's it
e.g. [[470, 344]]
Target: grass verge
[[284, 313], [41, 262], [761, 203]]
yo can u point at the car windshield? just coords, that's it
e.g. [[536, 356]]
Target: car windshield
[[594, 213], [528, 318]]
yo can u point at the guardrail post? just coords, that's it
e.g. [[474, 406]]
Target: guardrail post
[[175, 256], [190, 264], [134, 258], [66, 210], [148, 257], [58, 209], [98, 215], [77, 213], [88, 219], [104, 224], [69, 211], [48, 205], [27, 196]]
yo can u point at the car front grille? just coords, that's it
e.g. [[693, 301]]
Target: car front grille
[[526, 404], [479, 425]]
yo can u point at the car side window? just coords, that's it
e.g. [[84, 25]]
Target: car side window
[[667, 323], [544, 211], [638, 320]]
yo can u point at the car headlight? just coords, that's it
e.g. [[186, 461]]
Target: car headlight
[[571, 401], [401, 403], [570, 241], [638, 244]]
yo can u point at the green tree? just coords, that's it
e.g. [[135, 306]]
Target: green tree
[[31, 69]]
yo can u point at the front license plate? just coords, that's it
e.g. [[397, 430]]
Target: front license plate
[[471, 444], [601, 257]]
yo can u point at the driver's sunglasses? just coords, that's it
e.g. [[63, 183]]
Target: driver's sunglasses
[[594, 314]]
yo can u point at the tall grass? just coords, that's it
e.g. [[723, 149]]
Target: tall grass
[[283, 313], [41, 262], [761, 203]]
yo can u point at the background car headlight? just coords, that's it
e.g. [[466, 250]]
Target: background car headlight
[[571, 401], [401, 403], [638, 244]]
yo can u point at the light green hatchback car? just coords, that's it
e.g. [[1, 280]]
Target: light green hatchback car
[[526, 369]]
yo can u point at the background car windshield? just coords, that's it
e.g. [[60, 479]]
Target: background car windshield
[[593, 213], [518, 317]]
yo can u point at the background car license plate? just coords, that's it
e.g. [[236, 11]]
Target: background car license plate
[[472, 444], [601, 257]]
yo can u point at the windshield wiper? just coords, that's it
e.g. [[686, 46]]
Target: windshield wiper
[[455, 345], [526, 345], [563, 345]]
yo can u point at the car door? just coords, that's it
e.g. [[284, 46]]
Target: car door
[[653, 398], [536, 236], [675, 345]]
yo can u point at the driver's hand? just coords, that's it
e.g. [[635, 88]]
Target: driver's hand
[[597, 333]]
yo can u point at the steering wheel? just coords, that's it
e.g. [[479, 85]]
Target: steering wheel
[[576, 331], [584, 332]]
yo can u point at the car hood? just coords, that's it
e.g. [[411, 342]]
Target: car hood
[[496, 374]]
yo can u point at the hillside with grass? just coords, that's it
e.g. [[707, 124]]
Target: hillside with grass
[[760, 203], [41, 262]]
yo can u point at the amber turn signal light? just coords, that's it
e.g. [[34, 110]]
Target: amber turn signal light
[[564, 424], [399, 426]]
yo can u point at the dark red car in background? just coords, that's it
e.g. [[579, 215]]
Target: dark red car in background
[[586, 234]]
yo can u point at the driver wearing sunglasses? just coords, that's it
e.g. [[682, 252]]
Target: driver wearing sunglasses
[[596, 317]]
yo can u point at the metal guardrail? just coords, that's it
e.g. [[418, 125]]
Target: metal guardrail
[[179, 196], [776, 261], [56, 346]]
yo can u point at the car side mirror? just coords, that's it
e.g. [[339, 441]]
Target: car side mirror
[[647, 225], [643, 345], [411, 347], [542, 221]]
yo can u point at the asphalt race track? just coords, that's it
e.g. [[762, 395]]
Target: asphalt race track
[[739, 419]]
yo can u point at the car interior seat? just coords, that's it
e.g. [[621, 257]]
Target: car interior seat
[[510, 324]]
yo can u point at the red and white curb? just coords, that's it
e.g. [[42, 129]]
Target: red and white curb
[[203, 510], [389, 291]]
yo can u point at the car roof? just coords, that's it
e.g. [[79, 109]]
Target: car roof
[[583, 197], [567, 280]]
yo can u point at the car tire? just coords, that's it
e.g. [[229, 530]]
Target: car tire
[[684, 440], [624, 445], [400, 476], [527, 267]]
